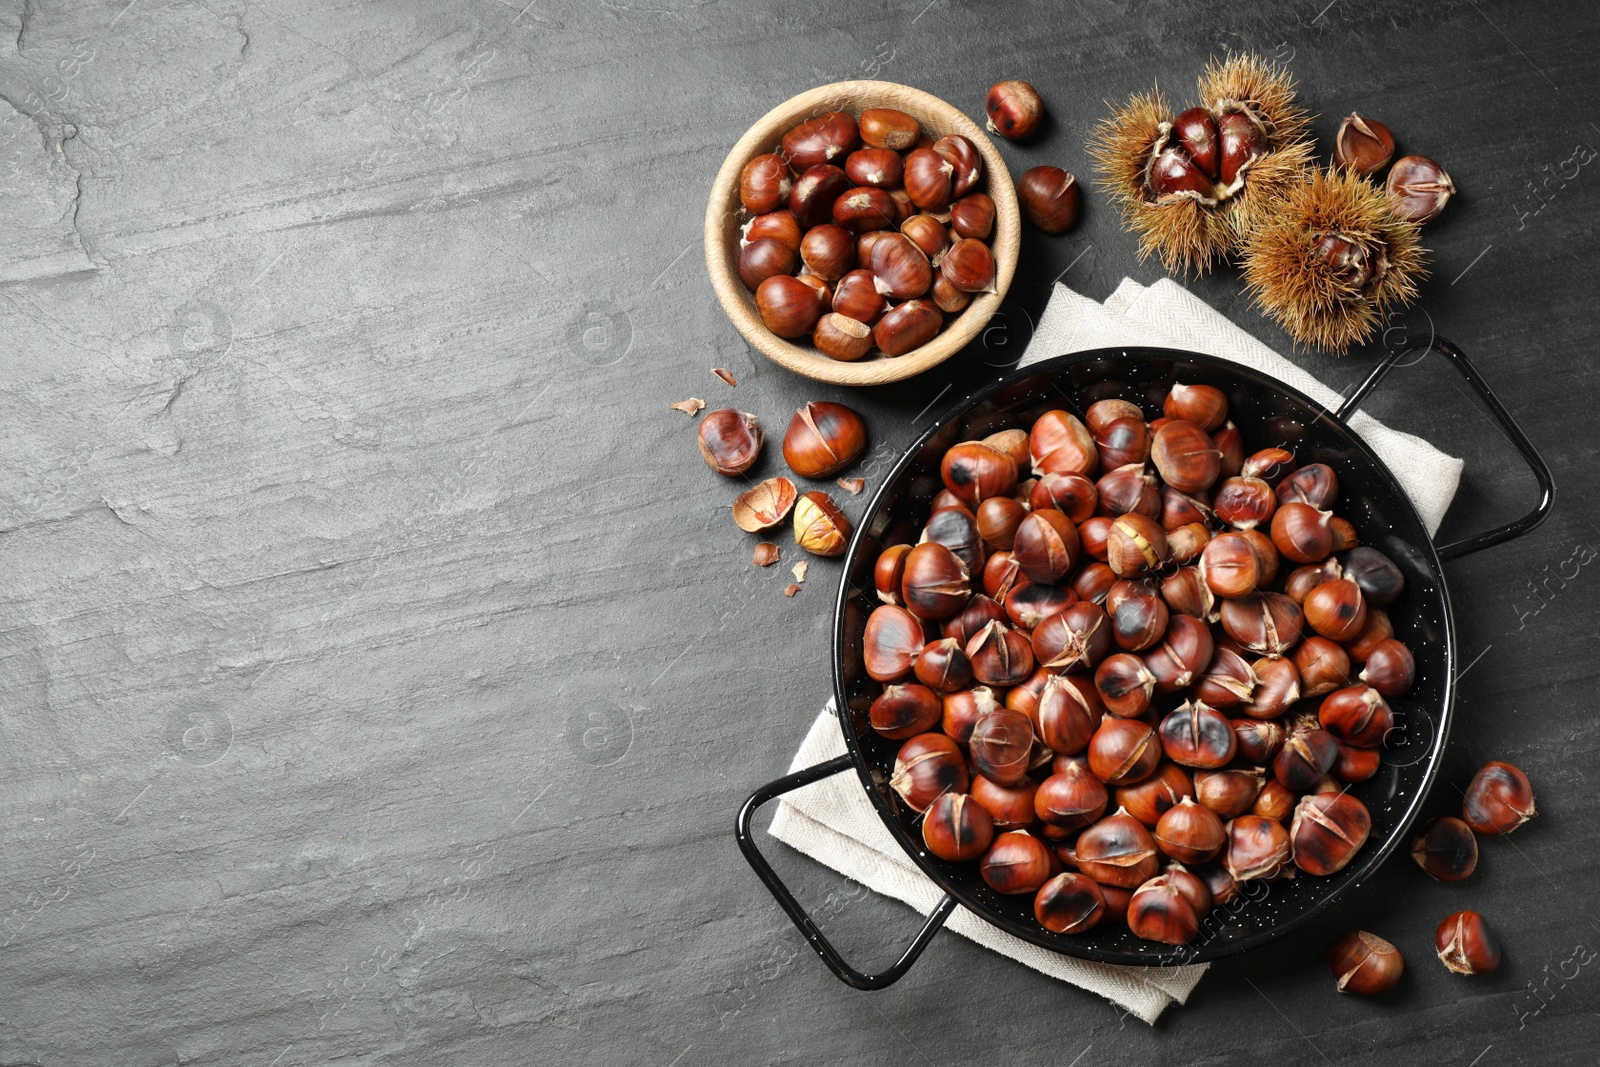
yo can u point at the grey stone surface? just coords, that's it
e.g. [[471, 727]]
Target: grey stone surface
[[379, 672]]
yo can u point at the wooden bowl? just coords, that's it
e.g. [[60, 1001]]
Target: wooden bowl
[[725, 216]]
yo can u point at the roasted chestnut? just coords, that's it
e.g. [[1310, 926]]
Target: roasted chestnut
[[823, 439], [1092, 535], [998, 518], [1069, 903], [1303, 579], [1071, 494], [1197, 736], [1186, 456], [1094, 582], [928, 766], [1136, 545], [1000, 575], [1271, 465], [1017, 862], [1498, 800], [979, 612], [1046, 545], [1378, 630], [1030, 603], [891, 643], [1185, 650], [956, 827], [1000, 655], [1230, 566], [1269, 623], [936, 584], [1380, 580], [1072, 799], [1390, 668], [1230, 792], [1079, 635], [1123, 751], [1314, 484], [1356, 764], [1257, 847], [1447, 849], [1327, 832], [1357, 715], [957, 529], [1323, 666], [1118, 851], [1061, 444], [1157, 911], [1010, 808], [943, 667], [1365, 963], [1187, 593], [1306, 756], [1466, 945], [1275, 801], [903, 711], [819, 526], [1228, 680], [1068, 712], [1190, 833], [1336, 610], [1125, 685], [1302, 533], [1150, 799], [1138, 616], [963, 709], [974, 472], [730, 440], [1257, 740], [1277, 687]]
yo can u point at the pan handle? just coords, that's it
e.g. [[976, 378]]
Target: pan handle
[[1508, 426], [830, 955]]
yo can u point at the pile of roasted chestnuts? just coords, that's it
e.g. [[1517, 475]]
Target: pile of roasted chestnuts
[[1131, 665], [865, 232]]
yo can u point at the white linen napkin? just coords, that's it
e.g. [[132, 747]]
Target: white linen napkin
[[833, 822]]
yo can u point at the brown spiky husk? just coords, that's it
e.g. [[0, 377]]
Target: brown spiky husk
[[1288, 281], [1189, 236]]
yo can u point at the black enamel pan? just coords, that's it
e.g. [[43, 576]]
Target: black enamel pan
[[1267, 413]]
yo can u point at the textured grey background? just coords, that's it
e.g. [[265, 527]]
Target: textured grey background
[[379, 671]]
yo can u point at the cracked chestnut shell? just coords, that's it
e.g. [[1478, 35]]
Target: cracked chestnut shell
[[1466, 945], [1118, 851], [956, 827], [730, 440], [1499, 800], [1365, 963], [823, 439], [1446, 849], [1069, 903], [1327, 832]]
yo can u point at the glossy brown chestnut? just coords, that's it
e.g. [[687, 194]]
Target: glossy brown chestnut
[[1231, 792], [1014, 108], [1069, 903], [1230, 442], [1305, 757], [788, 306], [1150, 799], [820, 140], [1466, 945], [963, 709], [1257, 740], [1079, 636], [1271, 465], [1228, 680], [1315, 484], [763, 258], [1000, 656], [973, 216], [1189, 885], [1013, 443], [1447, 849], [1061, 444], [841, 337], [903, 711], [1498, 800], [998, 518], [1157, 911], [1277, 687], [927, 233], [1336, 610], [891, 643], [926, 767], [1190, 833], [929, 179], [779, 225], [1050, 198], [943, 667], [900, 269], [1072, 799], [877, 168], [812, 196], [1357, 715], [1345, 536], [1031, 603], [1224, 890], [730, 440], [974, 472], [1244, 503], [1136, 545], [1365, 963], [764, 184], [907, 326], [1071, 494], [888, 128], [858, 298], [1380, 580], [1068, 712], [962, 155], [1268, 623], [1275, 801], [1230, 566], [1194, 735], [1125, 685], [1356, 764], [956, 528], [1186, 649], [1378, 630], [1129, 488], [1418, 188], [1257, 847], [1118, 851], [968, 265], [1123, 751], [1267, 555], [1390, 668], [1000, 745], [1138, 619], [1204, 405], [1185, 592], [1094, 582], [1017, 862], [1009, 808], [1302, 533], [1122, 442], [936, 584], [1102, 412], [888, 572], [1001, 574], [1362, 145], [823, 439], [1323, 666], [1186, 456], [1046, 546], [956, 827], [1327, 831]]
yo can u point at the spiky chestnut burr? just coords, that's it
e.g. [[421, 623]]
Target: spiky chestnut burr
[[1332, 260], [1194, 185]]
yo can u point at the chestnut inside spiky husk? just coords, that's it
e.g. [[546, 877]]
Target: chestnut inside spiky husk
[[1332, 261], [1192, 185]]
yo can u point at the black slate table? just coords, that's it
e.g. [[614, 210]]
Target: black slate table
[[379, 671]]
